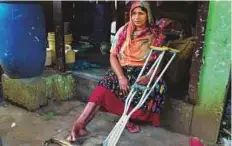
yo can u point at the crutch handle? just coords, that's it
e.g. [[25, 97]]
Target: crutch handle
[[139, 87], [164, 48]]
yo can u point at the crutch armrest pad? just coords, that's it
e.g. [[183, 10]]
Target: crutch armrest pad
[[164, 48]]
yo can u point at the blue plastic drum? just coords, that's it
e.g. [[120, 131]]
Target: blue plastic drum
[[22, 39]]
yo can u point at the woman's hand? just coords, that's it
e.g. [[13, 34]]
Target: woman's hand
[[123, 83], [143, 80]]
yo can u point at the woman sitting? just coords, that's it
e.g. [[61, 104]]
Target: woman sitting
[[128, 54]]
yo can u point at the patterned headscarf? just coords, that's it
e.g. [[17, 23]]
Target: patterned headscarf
[[134, 48]]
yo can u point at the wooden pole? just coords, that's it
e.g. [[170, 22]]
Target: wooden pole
[[120, 14], [59, 36], [202, 13]]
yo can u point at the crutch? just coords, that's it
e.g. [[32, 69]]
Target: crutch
[[115, 134]]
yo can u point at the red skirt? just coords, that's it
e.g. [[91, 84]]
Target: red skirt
[[110, 103]]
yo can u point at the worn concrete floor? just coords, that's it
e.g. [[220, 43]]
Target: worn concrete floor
[[33, 128]]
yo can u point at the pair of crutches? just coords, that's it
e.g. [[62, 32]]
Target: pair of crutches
[[115, 134]]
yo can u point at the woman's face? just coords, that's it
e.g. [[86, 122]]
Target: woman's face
[[139, 17]]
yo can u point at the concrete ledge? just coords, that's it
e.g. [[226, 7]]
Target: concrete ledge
[[84, 88], [86, 81], [177, 116], [35, 92], [32, 93]]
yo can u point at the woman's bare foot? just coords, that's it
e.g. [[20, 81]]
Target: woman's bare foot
[[77, 131], [132, 128]]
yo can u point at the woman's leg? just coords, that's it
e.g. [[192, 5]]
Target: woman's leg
[[79, 125], [113, 105], [100, 97], [92, 115]]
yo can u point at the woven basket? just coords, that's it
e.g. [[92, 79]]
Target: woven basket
[[179, 68], [184, 45]]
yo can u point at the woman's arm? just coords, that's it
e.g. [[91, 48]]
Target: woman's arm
[[157, 72], [123, 81], [117, 68], [146, 78], [116, 65]]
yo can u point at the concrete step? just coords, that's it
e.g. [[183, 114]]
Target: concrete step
[[86, 81], [33, 93]]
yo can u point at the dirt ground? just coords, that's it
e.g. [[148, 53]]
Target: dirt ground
[[19, 127]]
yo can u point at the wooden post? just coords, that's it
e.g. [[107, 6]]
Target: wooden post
[[120, 14], [108, 21], [202, 13], [59, 36]]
